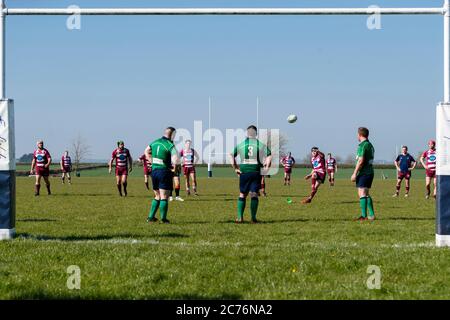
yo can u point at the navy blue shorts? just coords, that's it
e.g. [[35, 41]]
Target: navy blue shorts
[[162, 179], [250, 182], [364, 181]]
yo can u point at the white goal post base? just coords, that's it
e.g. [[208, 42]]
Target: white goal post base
[[442, 240], [7, 234]]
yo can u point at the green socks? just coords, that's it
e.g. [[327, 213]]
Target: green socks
[[370, 205], [163, 208], [366, 203], [363, 204], [153, 209], [254, 208], [241, 208]]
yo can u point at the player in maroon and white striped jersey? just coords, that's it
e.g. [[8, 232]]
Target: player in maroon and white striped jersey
[[66, 167], [318, 173], [331, 169], [124, 165], [428, 160], [189, 158], [288, 163], [147, 169], [41, 162]]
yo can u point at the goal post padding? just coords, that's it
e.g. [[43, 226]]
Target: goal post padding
[[7, 171]]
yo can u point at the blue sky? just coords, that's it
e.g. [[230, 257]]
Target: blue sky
[[129, 77]]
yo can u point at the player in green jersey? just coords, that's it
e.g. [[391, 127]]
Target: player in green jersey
[[364, 174], [162, 153], [254, 156]]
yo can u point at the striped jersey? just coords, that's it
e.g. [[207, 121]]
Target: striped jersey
[[331, 164], [41, 156], [318, 163], [288, 162], [188, 158], [430, 159], [121, 157], [66, 161]]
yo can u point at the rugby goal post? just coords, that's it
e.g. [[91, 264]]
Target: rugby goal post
[[7, 156]]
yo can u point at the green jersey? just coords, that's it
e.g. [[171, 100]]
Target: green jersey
[[366, 151], [251, 151], [162, 151]]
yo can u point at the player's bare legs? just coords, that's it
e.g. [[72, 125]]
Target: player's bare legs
[[435, 187], [124, 180], [428, 186], [315, 184], [331, 179], [146, 181], [47, 184], [177, 187], [119, 184], [37, 186], [263, 186], [408, 187], [398, 187], [285, 178], [69, 177], [194, 182], [188, 184]]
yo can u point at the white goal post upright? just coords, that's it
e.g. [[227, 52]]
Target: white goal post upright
[[7, 158]]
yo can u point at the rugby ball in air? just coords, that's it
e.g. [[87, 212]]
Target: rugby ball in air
[[292, 118]]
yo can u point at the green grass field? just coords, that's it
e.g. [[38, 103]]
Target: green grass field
[[298, 252]]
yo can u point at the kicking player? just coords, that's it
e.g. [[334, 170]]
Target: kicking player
[[317, 174], [189, 160], [430, 167], [364, 174], [161, 154], [288, 163], [147, 169], [254, 156], [331, 169], [124, 165], [176, 183], [41, 162], [66, 167], [404, 163]]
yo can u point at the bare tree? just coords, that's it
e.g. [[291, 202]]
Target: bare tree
[[80, 150]]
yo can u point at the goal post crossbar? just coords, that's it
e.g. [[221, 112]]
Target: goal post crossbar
[[223, 11]]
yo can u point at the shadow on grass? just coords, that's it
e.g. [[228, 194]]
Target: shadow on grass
[[40, 294], [262, 222], [172, 235], [78, 237], [37, 220], [408, 219]]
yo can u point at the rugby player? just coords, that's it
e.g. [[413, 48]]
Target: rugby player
[[162, 153], [317, 174], [428, 160], [404, 163], [189, 158], [66, 167], [331, 169], [176, 183], [288, 163], [147, 169], [254, 156], [363, 174], [124, 165], [41, 162]]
